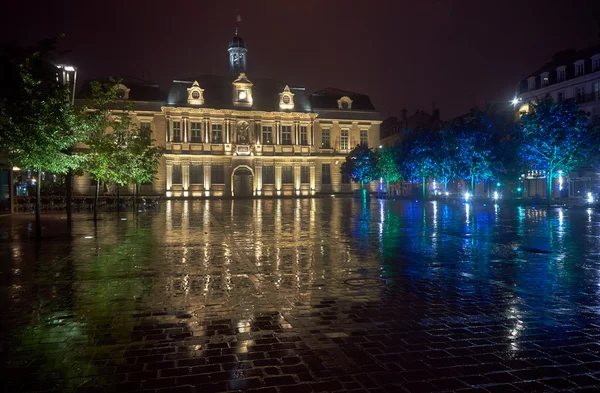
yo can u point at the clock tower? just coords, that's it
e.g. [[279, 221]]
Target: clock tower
[[237, 52]]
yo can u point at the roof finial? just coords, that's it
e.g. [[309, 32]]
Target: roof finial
[[238, 19]]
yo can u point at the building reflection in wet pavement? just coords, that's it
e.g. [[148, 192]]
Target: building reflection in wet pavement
[[303, 295]]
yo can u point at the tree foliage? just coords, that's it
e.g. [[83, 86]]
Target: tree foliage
[[417, 155], [386, 166], [37, 123], [360, 164], [556, 136]]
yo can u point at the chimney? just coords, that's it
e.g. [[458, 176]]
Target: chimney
[[403, 116], [436, 114]]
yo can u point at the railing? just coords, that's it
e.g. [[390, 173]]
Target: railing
[[57, 203]]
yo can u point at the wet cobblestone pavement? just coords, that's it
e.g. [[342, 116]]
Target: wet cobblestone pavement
[[308, 295]]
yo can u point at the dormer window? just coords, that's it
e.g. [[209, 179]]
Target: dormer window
[[242, 91], [345, 103], [596, 62], [531, 83], [121, 91], [579, 67], [195, 94], [561, 73], [286, 99], [545, 79]]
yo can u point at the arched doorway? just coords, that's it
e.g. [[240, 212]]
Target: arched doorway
[[242, 180]]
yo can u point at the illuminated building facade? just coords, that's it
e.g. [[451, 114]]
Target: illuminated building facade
[[573, 75], [570, 75], [240, 136]]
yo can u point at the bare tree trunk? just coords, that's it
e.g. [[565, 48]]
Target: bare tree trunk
[[69, 205], [134, 197], [38, 205], [424, 186], [118, 198], [549, 187], [96, 198]]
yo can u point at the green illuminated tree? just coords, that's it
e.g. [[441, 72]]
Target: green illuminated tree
[[360, 165], [556, 136], [37, 123], [139, 158], [386, 166]]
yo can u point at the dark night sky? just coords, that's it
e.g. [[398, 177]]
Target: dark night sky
[[404, 54]]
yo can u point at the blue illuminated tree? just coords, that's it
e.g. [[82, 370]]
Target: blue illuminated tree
[[474, 155], [556, 136], [446, 167], [417, 156], [360, 165]]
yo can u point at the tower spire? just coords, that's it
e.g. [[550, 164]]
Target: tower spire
[[238, 19]]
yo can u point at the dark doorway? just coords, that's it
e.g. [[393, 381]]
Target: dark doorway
[[242, 182]]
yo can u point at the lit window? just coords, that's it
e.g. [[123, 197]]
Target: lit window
[[176, 131], [303, 135], [196, 174], [196, 132], [268, 174], [325, 174], [176, 174], [325, 140], [287, 175], [344, 140], [217, 174], [364, 137], [267, 135], [304, 175], [286, 135], [217, 133]]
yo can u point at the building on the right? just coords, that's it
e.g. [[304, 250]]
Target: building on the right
[[571, 74]]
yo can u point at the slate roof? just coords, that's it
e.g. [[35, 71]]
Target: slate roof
[[328, 99], [218, 94], [564, 58], [140, 90]]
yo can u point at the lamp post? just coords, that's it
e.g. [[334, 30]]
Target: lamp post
[[69, 73]]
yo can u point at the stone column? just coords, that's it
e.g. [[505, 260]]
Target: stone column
[[277, 127], [168, 133], [259, 132], [184, 120], [185, 177], [278, 178], [169, 177], [207, 183], [297, 168], [312, 178], [258, 177], [206, 130], [227, 131]]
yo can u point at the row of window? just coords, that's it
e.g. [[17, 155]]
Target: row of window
[[217, 174], [581, 95], [267, 135], [561, 73]]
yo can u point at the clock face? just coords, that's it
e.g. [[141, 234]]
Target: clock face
[[242, 95], [286, 99]]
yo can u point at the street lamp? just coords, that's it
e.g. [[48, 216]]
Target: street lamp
[[67, 70], [515, 101]]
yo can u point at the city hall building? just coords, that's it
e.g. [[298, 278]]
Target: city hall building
[[238, 136]]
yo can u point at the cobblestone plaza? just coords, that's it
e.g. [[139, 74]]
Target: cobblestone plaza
[[303, 295]]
